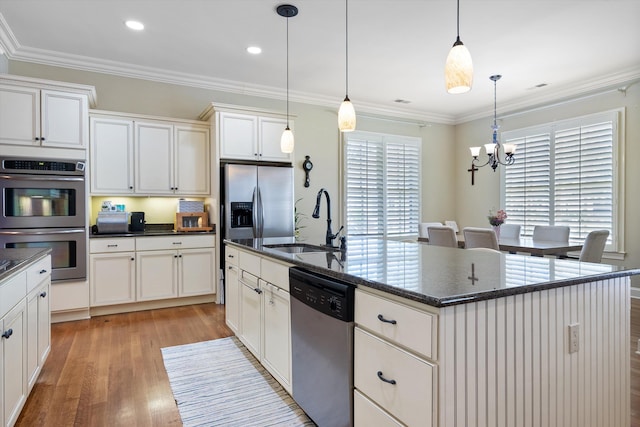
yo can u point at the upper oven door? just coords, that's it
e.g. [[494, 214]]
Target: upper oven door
[[41, 201]]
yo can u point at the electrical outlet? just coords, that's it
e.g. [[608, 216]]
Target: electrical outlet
[[574, 341]]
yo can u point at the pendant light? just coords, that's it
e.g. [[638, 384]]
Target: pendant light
[[458, 70], [346, 113], [286, 141]]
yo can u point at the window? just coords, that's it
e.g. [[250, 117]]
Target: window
[[382, 184], [565, 174]]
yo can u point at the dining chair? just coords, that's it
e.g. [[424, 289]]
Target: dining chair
[[423, 226], [453, 225], [442, 236], [510, 231], [551, 233], [594, 246], [480, 238]]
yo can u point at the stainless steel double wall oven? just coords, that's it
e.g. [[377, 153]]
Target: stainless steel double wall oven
[[43, 205]]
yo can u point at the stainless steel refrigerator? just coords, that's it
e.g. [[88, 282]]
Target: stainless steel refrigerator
[[258, 201]]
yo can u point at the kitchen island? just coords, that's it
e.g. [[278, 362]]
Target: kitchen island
[[479, 339]]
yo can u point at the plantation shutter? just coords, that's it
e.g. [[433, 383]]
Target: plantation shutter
[[565, 174], [403, 188]]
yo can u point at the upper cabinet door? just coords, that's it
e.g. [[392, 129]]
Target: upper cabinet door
[[270, 134], [238, 136], [64, 119], [111, 152], [19, 115], [154, 158], [191, 160]]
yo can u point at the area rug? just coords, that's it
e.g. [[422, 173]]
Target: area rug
[[220, 383]]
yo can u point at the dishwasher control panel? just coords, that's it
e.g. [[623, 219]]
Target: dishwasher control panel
[[326, 295]]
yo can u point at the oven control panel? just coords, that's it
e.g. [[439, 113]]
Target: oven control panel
[[35, 166]]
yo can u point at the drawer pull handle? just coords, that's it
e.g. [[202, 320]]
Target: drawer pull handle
[[43, 271], [382, 378], [258, 291], [177, 243], [43, 295], [112, 246], [230, 256], [382, 319], [7, 334]]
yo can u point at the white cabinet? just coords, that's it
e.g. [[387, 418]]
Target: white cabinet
[[130, 155], [25, 337], [251, 137], [251, 313], [112, 271], [232, 290], [111, 153], [48, 118], [13, 337], [395, 374], [174, 266], [171, 159], [257, 309]]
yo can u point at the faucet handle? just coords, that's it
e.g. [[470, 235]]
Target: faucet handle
[[343, 243]]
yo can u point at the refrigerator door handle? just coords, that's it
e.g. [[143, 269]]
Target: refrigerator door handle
[[260, 215], [254, 211]]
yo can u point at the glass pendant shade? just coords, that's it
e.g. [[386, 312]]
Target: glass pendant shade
[[475, 151], [490, 148], [346, 116], [458, 70], [286, 141]]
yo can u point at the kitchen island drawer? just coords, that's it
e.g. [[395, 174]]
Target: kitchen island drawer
[[38, 272], [231, 255], [249, 262], [117, 244], [407, 326], [175, 242], [396, 380], [11, 292], [368, 414], [275, 273]]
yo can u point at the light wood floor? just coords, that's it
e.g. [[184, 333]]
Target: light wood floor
[[108, 371]]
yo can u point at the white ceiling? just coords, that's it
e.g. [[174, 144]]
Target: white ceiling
[[397, 48]]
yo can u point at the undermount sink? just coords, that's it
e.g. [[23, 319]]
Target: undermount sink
[[297, 248]]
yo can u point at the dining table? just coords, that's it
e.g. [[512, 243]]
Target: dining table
[[529, 245]]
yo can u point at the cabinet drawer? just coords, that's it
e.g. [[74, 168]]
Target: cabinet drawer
[[121, 244], [413, 328], [11, 292], [368, 414], [38, 272], [249, 262], [412, 398], [231, 255], [174, 242], [275, 273]]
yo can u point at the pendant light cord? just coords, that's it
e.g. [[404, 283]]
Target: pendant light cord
[[495, 103], [346, 44], [287, 72], [458, 21]]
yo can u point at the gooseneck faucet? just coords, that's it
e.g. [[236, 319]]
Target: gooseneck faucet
[[330, 237]]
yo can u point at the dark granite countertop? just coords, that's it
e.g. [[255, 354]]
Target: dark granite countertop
[[152, 230], [439, 276], [14, 261]]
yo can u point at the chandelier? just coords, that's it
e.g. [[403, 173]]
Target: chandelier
[[493, 148]]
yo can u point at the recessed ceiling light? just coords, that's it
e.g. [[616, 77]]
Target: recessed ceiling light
[[134, 25], [254, 50]]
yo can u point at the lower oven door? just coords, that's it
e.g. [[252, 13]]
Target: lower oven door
[[68, 248]]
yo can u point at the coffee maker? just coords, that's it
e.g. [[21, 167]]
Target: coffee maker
[[137, 221]]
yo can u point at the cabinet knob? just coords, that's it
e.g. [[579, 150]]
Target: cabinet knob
[[133, 259], [37, 138], [7, 334], [175, 256], [131, 187], [43, 295], [180, 256]]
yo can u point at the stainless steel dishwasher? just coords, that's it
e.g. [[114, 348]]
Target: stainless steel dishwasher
[[322, 347]]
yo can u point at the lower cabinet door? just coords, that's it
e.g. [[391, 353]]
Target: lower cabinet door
[[251, 313], [14, 374], [44, 321], [232, 298], [113, 279], [196, 271], [276, 354], [156, 274], [32, 339], [399, 382]]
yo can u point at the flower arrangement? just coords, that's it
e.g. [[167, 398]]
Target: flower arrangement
[[498, 218]]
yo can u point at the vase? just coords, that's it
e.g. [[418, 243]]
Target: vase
[[496, 228]]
